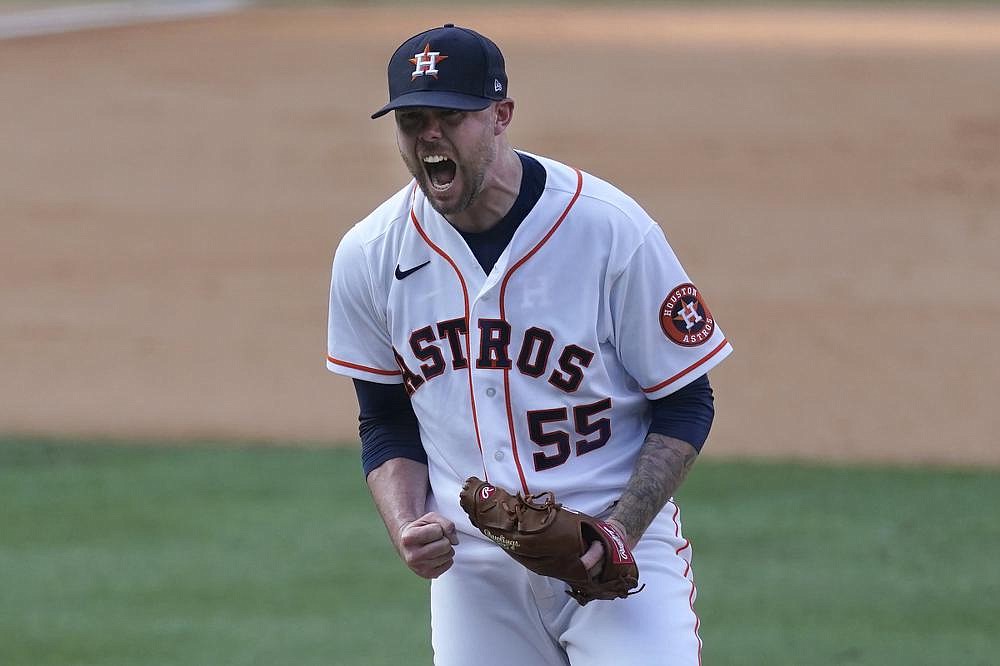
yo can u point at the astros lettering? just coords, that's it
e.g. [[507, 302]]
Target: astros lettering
[[442, 345]]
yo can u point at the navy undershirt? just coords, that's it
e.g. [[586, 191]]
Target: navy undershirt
[[487, 246], [388, 425]]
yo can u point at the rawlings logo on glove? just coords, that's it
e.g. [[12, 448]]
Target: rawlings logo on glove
[[549, 539]]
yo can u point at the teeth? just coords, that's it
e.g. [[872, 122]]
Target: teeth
[[434, 159]]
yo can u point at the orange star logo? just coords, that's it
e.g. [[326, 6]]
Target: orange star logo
[[426, 62]]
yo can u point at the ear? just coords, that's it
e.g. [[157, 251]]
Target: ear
[[504, 113]]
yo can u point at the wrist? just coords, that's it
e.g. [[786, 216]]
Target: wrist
[[397, 535], [620, 526]]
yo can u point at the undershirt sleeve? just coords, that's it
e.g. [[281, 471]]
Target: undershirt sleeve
[[387, 425], [686, 414]]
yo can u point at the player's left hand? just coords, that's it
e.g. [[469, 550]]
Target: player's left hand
[[593, 559]]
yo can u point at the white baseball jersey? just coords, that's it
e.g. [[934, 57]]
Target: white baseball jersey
[[537, 376]]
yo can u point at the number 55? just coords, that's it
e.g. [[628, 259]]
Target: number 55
[[582, 415]]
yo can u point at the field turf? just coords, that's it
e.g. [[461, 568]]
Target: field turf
[[222, 555]]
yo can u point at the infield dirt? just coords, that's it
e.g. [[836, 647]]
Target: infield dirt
[[171, 195]]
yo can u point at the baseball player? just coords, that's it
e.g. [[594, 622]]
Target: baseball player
[[509, 317]]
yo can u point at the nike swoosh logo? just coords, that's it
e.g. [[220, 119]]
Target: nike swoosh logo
[[405, 274]]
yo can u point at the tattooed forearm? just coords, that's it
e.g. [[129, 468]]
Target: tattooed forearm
[[662, 465]]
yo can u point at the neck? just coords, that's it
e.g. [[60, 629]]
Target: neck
[[500, 190]]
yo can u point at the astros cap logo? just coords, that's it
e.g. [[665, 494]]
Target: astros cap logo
[[426, 62], [685, 318]]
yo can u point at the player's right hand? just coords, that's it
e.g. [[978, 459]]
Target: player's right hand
[[427, 545]]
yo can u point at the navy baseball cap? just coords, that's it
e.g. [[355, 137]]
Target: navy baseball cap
[[446, 68]]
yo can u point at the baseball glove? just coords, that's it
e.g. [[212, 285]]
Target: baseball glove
[[549, 539]]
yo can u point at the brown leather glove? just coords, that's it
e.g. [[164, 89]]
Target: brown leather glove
[[549, 539]]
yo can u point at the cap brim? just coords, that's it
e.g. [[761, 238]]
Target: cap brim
[[437, 99]]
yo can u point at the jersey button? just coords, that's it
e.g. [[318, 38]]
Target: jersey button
[[491, 391], [498, 456]]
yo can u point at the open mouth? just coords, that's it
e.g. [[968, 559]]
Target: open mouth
[[440, 171]]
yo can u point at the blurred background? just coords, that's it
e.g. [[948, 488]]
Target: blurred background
[[174, 179], [173, 191]]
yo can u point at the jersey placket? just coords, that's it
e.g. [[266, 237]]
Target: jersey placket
[[487, 397], [490, 337]]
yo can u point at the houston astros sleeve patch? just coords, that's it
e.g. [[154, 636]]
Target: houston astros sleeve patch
[[685, 318]]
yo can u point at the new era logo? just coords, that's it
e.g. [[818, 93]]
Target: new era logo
[[497, 86]]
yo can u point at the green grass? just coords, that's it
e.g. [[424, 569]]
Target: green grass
[[220, 555], [813, 565], [116, 555]]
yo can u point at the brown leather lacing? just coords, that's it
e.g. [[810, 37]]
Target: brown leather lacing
[[550, 506], [583, 596]]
